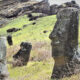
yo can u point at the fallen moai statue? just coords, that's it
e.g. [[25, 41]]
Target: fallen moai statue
[[65, 43], [22, 56]]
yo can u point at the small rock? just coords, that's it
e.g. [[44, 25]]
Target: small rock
[[13, 30], [9, 39], [45, 31], [33, 23], [30, 15]]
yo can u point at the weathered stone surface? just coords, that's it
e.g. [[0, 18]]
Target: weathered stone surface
[[9, 39], [23, 0], [65, 43], [42, 7], [13, 30], [10, 9], [3, 68], [32, 17], [54, 9], [10, 13], [23, 54]]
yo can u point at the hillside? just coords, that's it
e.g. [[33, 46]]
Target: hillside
[[41, 63]]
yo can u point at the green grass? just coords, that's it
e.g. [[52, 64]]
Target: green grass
[[31, 32], [35, 70]]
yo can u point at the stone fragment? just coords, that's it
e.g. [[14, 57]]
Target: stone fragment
[[13, 30]]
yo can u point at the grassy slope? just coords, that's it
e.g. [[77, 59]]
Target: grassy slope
[[33, 33]]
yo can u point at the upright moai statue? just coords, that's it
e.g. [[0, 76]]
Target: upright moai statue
[[65, 43], [22, 56], [3, 68]]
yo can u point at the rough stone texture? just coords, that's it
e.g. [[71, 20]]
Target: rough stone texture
[[54, 9], [22, 56], [9, 39], [65, 43], [10, 9], [3, 68], [42, 7], [11, 30], [23, 0]]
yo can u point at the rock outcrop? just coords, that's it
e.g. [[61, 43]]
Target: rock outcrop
[[42, 7], [54, 9], [10, 9], [65, 43]]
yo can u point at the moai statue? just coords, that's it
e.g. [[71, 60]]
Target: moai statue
[[65, 43], [3, 68], [22, 56]]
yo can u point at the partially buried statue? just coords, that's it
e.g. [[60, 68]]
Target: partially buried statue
[[22, 56]]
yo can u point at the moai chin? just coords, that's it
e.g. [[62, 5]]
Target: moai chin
[[3, 68], [65, 43]]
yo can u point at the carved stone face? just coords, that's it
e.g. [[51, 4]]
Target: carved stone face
[[64, 39], [24, 53], [65, 33], [25, 45]]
